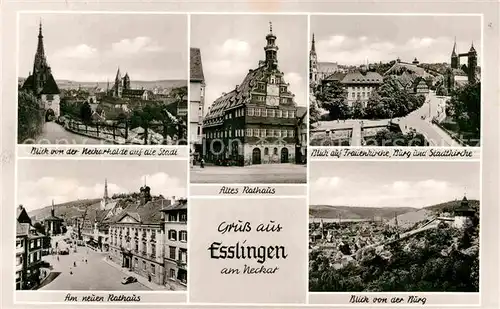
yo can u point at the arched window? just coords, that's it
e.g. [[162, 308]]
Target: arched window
[[275, 151], [266, 151], [172, 235]]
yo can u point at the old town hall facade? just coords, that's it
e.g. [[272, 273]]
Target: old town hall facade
[[257, 122]]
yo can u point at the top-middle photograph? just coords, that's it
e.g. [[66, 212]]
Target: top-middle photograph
[[248, 98]]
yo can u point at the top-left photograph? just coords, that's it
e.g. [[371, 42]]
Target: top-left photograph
[[112, 79]]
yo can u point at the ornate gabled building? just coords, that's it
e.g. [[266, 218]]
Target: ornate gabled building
[[41, 82], [256, 121]]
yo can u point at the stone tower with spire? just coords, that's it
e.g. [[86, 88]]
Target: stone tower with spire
[[455, 59], [126, 81], [313, 63], [105, 197], [118, 87], [271, 49], [41, 82], [471, 64]]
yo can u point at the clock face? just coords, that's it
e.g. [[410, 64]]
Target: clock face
[[272, 100]]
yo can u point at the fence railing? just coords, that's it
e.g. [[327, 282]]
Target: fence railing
[[122, 133]]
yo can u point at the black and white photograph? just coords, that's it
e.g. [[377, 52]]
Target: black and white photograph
[[113, 79], [101, 225], [394, 226], [395, 80], [248, 98]]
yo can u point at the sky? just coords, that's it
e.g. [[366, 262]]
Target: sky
[[238, 45], [392, 184], [90, 47], [350, 40], [67, 180]]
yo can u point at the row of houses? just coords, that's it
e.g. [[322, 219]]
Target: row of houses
[[146, 235]]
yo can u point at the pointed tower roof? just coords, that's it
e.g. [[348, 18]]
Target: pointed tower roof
[[454, 52], [105, 189], [313, 45], [118, 75], [472, 49], [40, 59]]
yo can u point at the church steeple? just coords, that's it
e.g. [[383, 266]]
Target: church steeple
[[313, 46], [52, 210], [455, 60], [271, 49], [105, 197]]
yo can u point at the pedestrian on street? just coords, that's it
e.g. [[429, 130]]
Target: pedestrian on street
[[58, 258], [202, 163], [86, 261], [74, 264]]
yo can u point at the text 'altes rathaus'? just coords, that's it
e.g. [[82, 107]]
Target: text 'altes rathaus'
[[258, 121]]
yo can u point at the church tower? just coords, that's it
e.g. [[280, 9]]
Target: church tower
[[118, 85], [271, 50], [471, 64], [313, 63], [40, 67], [105, 197], [455, 60], [126, 81]]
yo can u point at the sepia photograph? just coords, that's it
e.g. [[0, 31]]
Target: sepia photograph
[[394, 227], [113, 79], [86, 225], [248, 99], [373, 86]]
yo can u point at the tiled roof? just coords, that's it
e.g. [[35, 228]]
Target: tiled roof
[[133, 91], [22, 229], [50, 86], [238, 96], [335, 76], [148, 213], [178, 205], [196, 66], [325, 67], [358, 78], [301, 111], [28, 83], [399, 66]]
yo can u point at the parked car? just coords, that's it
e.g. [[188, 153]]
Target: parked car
[[127, 280]]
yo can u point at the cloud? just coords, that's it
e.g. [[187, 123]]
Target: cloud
[[355, 50], [350, 192], [234, 48], [81, 51], [135, 45]]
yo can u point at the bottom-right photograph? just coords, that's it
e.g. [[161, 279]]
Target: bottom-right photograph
[[394, 226]]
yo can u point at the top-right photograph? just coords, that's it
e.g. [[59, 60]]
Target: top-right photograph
[[395, 80]]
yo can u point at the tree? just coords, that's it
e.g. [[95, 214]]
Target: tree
[[86, 112], [333, 97], [465, 106], [29, 116], [358, 111], [314, 112]]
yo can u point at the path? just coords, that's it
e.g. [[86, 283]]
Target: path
[[420, 120], [53, 133]]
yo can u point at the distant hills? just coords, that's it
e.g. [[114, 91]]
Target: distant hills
[[65, 210], [408, 214], [349, 212], [164, 84]]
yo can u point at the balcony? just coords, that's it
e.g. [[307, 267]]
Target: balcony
[[181, 264]]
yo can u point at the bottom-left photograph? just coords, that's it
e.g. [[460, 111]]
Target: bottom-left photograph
[[108, 225]]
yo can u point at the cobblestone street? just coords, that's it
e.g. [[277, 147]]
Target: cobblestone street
[[262, 173]]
